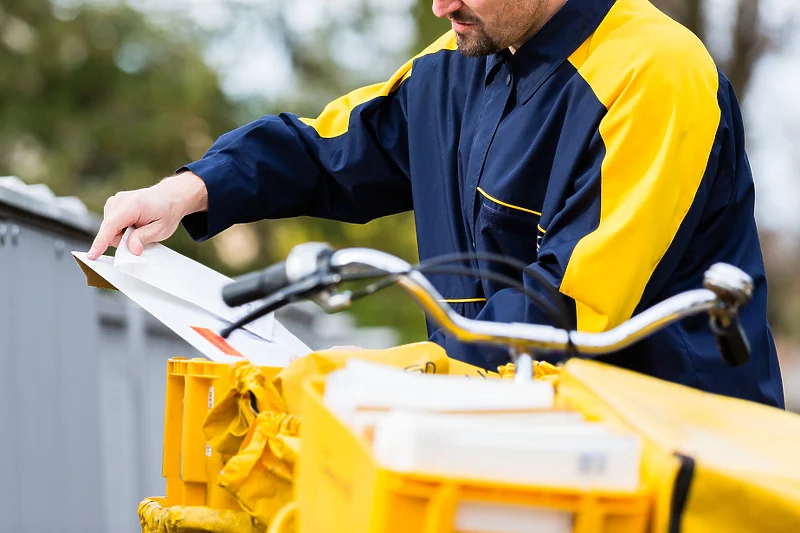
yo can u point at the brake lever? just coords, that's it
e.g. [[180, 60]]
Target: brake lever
[[731, 340], [734, 288]]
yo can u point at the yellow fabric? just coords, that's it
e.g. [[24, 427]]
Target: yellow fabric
[[228, 422], [460, 368], [285, 520], [265, 447], [335, 118], [424, 357], [156, 517], [659, 85], [541, 371], [747, 465], [260, 475]]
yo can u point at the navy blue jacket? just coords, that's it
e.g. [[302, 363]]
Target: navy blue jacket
[[607, 153]]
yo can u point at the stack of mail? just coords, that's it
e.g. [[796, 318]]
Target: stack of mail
[[490, 430], [364, 386], [187, 297]]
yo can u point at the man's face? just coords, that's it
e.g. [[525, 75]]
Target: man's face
[[486, 27]]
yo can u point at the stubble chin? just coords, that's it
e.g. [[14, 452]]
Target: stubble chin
[[476, 45]]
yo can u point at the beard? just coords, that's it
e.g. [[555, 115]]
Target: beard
[[512, 24], [477, 43]]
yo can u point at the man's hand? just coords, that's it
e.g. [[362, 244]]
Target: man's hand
[[155, 212]]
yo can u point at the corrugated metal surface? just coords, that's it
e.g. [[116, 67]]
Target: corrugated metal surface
[[82, 376], [51, 419]]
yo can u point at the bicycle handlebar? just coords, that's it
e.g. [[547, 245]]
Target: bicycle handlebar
[[726, 289], [256, 285]]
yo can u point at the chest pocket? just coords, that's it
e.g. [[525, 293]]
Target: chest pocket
[[508, 229]]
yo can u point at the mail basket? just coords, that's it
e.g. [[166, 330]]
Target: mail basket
[[190, 465], [341, 489]]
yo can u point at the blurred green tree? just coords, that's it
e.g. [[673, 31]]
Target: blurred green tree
[[98, 99]]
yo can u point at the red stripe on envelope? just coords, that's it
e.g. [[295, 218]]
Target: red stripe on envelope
[[220, 343]]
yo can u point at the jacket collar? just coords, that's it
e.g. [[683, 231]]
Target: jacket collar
[[563, 34]]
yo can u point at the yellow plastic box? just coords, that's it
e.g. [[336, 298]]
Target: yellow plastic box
[[340, 489], [190, 466]]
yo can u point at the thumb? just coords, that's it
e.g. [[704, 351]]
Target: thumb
[[141, 237]]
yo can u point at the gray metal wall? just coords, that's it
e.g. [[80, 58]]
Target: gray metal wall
[[82, 381], [50, 413], [81, 392]]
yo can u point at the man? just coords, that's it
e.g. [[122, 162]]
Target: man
[[592, 139]]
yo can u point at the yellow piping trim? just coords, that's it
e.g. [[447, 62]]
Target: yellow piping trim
[[541, 228], [334, 120], [495, 200], [465, 301]]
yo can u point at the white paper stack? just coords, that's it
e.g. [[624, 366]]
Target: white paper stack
[[367, 386], [365, 421], [583, 456], [492, 430], [492, 517]]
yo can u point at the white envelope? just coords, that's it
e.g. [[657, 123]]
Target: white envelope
[[186, 297]]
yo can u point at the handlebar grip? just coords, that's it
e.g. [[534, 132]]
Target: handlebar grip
[[255, 286], [732, 341]]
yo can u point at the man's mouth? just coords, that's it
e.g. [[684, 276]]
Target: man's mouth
[[461, 22], [460, 26]]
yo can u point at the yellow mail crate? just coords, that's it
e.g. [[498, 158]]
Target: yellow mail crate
[[190, 466], [340, 489]]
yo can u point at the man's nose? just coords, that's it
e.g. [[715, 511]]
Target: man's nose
[[442, 8]]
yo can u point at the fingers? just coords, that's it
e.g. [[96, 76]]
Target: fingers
[[142, 236], [117, 239], [109, 233], [150, 211], [117, 217]]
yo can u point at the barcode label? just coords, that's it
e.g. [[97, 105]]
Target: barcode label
[[592, 463]]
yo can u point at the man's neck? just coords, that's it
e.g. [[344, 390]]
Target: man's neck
[[548, 9]]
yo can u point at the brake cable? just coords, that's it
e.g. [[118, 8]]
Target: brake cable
[[558, 314]]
